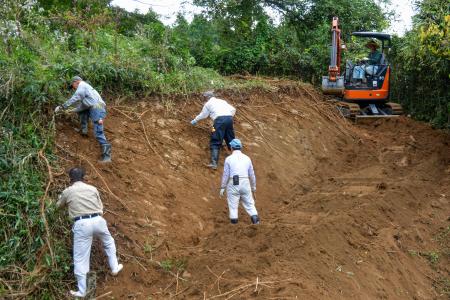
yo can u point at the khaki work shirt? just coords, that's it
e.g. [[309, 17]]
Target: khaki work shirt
[[81, 199]]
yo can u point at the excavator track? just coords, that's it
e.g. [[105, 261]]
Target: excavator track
[[355, 111], [348, 110], [396, 108]]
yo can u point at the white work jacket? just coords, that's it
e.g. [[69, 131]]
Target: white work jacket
[[214, 108], [238, 164]]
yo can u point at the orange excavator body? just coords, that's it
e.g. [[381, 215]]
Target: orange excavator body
[[381, 94], [362, 97]]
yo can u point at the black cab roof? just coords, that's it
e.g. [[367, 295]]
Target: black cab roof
[[376, 35]]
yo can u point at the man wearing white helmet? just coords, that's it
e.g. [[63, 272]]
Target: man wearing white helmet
[[222, 114], [239, 180]]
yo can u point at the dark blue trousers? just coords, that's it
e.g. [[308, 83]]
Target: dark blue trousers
[[95, 114], [223, 130]]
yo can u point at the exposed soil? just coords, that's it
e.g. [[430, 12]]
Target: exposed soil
[[348, 211]]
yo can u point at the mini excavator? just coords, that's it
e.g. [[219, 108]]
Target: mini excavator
[[365, 98]]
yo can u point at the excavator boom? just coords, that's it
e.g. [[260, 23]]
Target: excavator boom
[[333, 84]]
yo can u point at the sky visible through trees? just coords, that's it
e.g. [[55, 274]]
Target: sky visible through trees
[[404, 10]]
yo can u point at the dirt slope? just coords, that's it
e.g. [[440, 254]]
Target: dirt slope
[[348, 212]]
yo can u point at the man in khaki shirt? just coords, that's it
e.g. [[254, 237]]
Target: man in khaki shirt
[[85, 208]]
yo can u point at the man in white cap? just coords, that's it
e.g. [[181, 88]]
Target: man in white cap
[[239, 180], [89, 104], [85, 209], [222, 115]]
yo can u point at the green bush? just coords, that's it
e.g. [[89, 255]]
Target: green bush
[[422, 67]]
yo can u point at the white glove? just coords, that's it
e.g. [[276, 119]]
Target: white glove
[[254, 190], [58, 109], [222, 192]]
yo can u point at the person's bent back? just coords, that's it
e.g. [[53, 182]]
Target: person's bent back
[[85, 209]]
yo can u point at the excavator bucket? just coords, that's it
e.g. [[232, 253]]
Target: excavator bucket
[[333, 87]]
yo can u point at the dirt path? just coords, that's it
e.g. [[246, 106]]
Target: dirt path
[[348, 212]]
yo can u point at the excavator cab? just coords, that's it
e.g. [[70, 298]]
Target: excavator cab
[[374, 77], [374, 74], [363, 86]]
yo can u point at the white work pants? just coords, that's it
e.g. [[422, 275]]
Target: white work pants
[[83, 232], [371, 69], [242, 191], [359, 72]]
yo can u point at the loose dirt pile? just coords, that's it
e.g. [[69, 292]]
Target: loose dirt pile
[[348, 212]]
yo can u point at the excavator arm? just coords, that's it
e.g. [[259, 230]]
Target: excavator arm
[[334, 69], [333, 84]]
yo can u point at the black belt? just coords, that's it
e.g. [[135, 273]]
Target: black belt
[[86, 217]]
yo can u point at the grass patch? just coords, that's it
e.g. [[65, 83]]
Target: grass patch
[[175, 265], [442, 286], [431, 256], [443, 238]]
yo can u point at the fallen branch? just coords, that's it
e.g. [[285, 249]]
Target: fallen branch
[[176, 288], [142, 266], [148, 141], [111, 212], [104, 295], [218, 278], [167, 287], [124, 114], [244, 287], [180, 292]]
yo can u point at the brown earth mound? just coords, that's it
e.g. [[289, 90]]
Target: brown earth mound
[[348, 212]]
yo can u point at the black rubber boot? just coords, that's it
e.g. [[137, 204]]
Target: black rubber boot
[[255, 219], [234, 221], [106, 153], [214, 158]]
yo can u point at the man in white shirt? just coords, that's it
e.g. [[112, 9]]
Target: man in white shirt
[[239, 180], [85, 208], [89, 104], [222, 115]]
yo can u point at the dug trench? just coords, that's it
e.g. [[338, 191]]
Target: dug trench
[[347, 212]]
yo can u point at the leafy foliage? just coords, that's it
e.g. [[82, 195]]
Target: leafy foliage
[[245, 39], [422, 65]]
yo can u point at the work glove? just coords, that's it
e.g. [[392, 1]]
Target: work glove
[[58, 109], [222, 192], [193, 122]]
